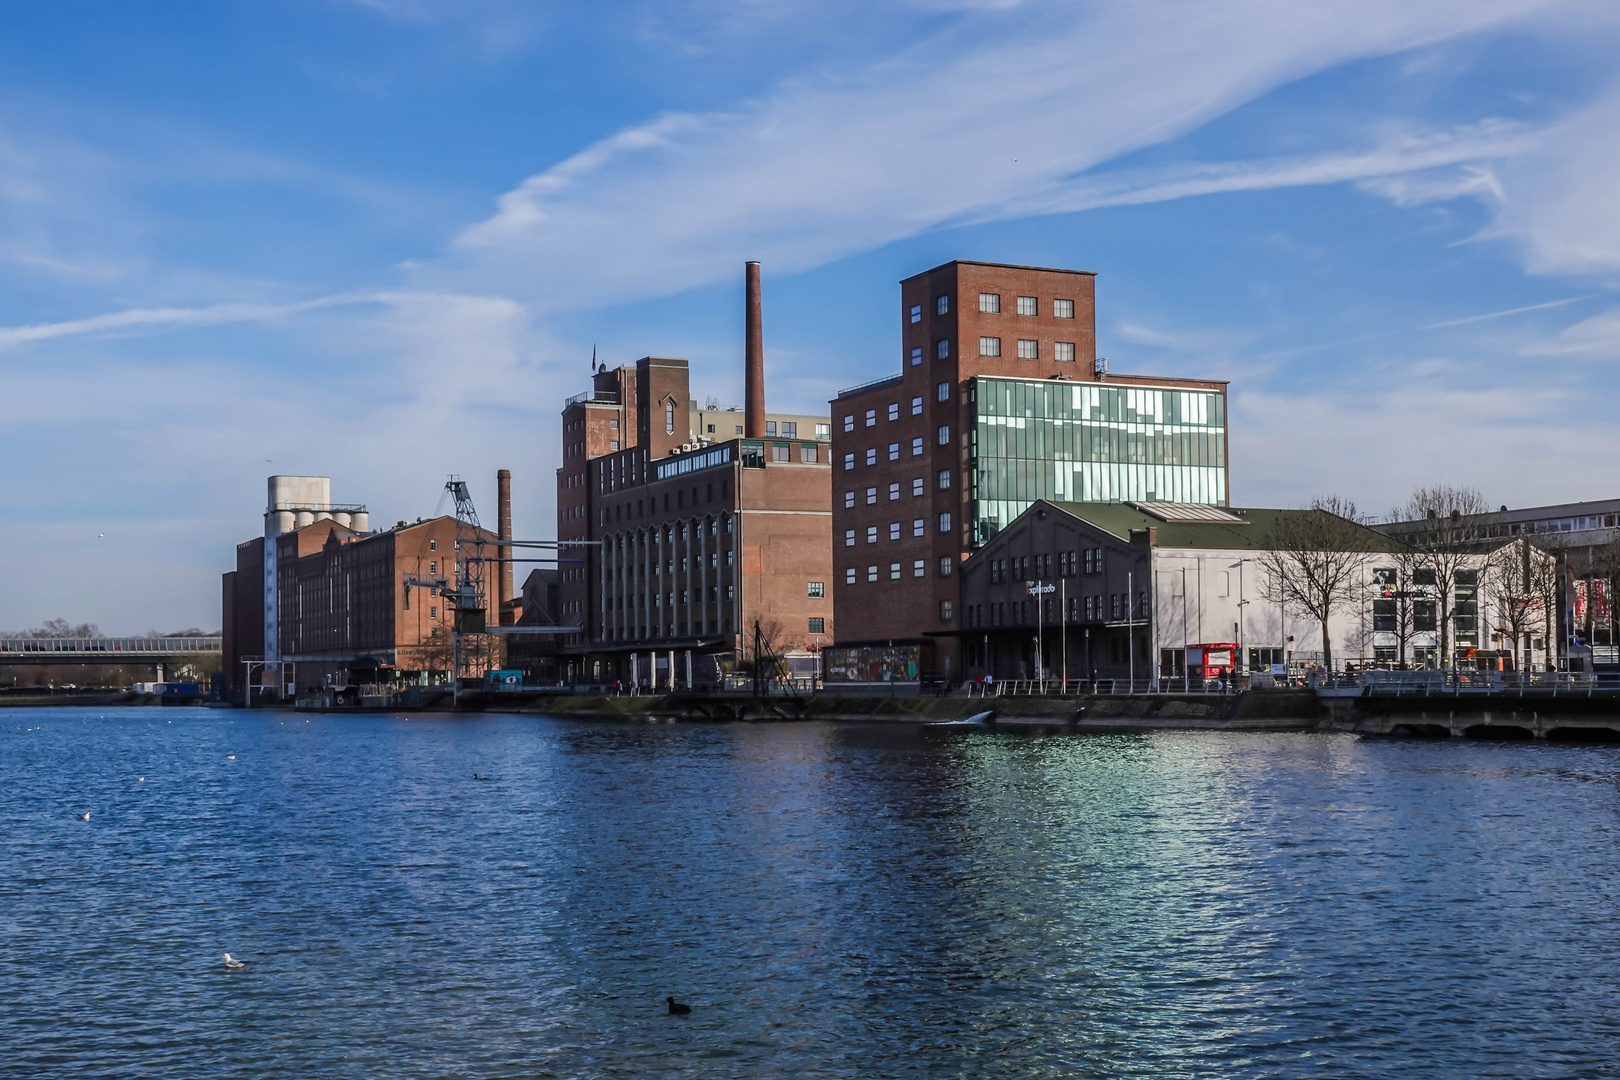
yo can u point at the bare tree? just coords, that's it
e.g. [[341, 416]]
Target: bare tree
[[1518, 575], [1313, 560], [1447, 526]]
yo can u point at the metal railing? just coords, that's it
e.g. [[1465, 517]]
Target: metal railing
[[110, 647], [846, 391], [603, 397], [1522, 683]]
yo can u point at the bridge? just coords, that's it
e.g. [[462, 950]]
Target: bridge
[[157, 651]]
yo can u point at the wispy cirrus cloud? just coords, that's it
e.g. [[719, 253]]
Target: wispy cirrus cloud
[[964, 127]]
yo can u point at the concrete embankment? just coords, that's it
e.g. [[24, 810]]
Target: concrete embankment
[[1567, 717], [1257, 711]]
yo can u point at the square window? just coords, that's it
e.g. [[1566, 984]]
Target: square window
[[894, 571], [849, 461], [871, 455], [849, 423], [818, 626], [894, 530], [917, 486], [849, 576], [894, 411], [989, 303], [711, 429], [1063, 309], [919, 568], [739, 429], [781, 452], [770, 428], [871, 418], [945, 564], [823, 431], [945, 612], [917, 446], [916, 356], [894, 451], [1028, 305], [945, 522], [871, 534], [807, 454], [942, 348], [816, 588], [894, 491], [1063, 351], [790, 429], [989, 346], [944, 434], [916, 313], [942, 305], [916, 406], [918, 526], [871, 496], [944, 479], [849, 537], [1028, 349], [944, 391], [871, 572]]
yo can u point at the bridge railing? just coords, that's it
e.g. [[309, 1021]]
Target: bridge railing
[[110, 647]]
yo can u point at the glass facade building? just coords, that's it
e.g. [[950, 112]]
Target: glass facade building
[[1090, 442]]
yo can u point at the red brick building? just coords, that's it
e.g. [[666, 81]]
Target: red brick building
[[343, 612], [695, 539], [983, 418]]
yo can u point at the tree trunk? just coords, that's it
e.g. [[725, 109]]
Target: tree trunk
[[1445, 632], [1327, 649]]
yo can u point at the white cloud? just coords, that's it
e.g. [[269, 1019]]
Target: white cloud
[[961, 128]]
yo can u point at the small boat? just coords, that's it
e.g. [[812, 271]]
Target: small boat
[[983, 721]]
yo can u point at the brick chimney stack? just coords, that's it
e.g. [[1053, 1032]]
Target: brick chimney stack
[[754, 374], [503, 578]]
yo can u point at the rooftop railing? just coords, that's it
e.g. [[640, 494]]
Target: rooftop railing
[[593, 397]]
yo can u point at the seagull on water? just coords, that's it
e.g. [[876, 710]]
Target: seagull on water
[[233, 964], [84, 816]]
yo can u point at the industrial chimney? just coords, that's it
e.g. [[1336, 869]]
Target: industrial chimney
[[503, 579], [754, 374]]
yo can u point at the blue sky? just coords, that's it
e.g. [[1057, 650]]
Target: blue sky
[[377, 239]]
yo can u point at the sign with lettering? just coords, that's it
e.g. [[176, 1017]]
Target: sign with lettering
[[1035, 588]]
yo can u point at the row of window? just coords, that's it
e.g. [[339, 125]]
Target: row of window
[[1114, 606], [918, 528], [1039, 567], [917, 488], [1029, 349], [990, 304], [919, 568], [942, 392], [870, 455]]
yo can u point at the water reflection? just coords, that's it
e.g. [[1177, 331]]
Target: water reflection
[[833, 900]]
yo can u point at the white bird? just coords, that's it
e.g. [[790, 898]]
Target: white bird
[[85, 816], [101, 534], [232, 963]]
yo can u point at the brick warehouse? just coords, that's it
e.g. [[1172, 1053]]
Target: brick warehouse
[[1000, 400], [341, 611], [698, 535]]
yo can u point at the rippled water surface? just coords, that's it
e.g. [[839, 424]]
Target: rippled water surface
[[833, 900]]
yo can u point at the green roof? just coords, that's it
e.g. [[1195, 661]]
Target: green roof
[[1119, 519]]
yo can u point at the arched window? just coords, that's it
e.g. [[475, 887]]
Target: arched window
[[669, 418]]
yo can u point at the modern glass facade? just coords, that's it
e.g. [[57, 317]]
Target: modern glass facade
[[1091, 442]]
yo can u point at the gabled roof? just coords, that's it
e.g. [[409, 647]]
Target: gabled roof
[[1250, 529]]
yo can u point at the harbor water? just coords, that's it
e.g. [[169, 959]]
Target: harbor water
[[833, 900]]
